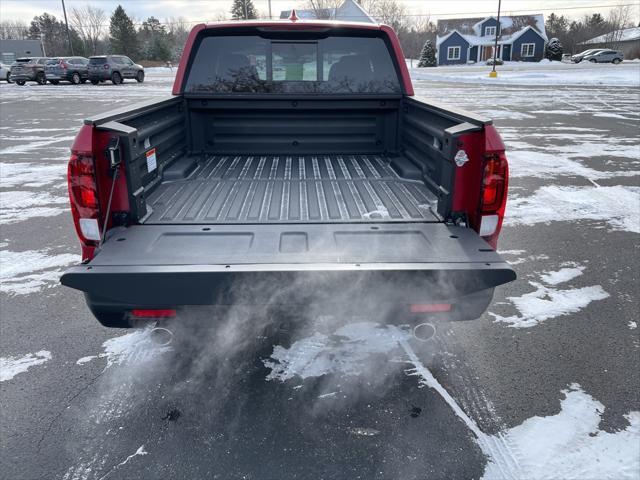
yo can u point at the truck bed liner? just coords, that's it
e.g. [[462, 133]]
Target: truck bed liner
[[291, 189]]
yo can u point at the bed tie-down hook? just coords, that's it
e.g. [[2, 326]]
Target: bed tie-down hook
[[113, 152]]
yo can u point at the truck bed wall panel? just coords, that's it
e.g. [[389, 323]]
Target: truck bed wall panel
[[296, 131]]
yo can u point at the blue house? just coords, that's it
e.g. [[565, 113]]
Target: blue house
[[471, 40]]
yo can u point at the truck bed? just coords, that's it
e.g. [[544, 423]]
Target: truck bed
[[232, 189]]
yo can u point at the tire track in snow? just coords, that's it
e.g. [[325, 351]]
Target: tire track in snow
[[495, 447]]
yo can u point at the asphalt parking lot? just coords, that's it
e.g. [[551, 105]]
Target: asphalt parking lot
[[545, 383]]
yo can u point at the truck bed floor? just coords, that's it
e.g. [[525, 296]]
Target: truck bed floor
[[291, 189]]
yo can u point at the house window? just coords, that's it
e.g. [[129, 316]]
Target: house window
[[528, 49], [453, 53], [490, 31]]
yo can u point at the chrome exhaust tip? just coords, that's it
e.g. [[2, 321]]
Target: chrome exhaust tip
[[424, 332], [161, 336]]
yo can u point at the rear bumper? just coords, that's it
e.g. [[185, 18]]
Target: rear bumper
[[23, 76], [355, 284], [100, 76], [364, 267]]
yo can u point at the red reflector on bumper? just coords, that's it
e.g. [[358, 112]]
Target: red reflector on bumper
[[153, 313], [430, 307]]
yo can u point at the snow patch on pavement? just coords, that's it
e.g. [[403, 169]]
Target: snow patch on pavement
[[35, 144], [545, 303], [132, 348], [23, 205], [30, 174], [562, 275], [12, 366], [632, 325], [347, 352], [617, 206], [30, 271], [570, 444], [528, 163]]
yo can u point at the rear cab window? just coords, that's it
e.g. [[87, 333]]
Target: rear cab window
[[272, 64], [97, 60]]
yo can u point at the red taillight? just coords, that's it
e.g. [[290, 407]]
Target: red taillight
[[153, 313], [494, 183], [63, 64], [83, 194]]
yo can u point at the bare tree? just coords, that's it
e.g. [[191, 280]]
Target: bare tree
[[619, 18], [89, 22], [390, 12], [13, 30], [324, 9]]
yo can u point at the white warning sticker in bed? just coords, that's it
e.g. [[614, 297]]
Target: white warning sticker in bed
[[151, 160]]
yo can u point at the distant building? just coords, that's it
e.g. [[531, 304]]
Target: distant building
[[626, 40], [464, 40], [349, 11], [12, 49]]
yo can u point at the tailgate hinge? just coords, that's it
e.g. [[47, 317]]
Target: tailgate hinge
[[457, 219]]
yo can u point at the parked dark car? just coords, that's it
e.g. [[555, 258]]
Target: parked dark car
[[69, 69], [578, 57], [605, 56], [115, 68], [29, 69]]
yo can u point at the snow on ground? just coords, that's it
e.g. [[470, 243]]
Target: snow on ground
[[12, 366], [547, 302], [347, 352], [132, 348], [570, 444], [617, 206], [30, 271], [32, 175], [530, 73]]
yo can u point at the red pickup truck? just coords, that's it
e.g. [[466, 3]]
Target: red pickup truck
[[292, 165]]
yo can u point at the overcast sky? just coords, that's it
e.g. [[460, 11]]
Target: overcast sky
[[208, 10]]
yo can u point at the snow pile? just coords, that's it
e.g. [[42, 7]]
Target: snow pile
[[545, 302], [532, 73], [618, 206], [570, 445], [30, 271], [12, 366], [347, 352]]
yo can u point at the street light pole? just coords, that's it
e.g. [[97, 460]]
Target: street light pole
[[64, 10], [269, 9], [493, 73]]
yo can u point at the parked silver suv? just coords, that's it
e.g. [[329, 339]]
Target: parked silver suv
[[115, 68], [605, 56], [29, 69]]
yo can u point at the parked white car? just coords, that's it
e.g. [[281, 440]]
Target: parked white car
[[5, 70]]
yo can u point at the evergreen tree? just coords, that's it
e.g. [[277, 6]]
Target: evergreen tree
[[553, 50], [428, 55], [155, 39], [243, 10], [122, 34], [53, 35]]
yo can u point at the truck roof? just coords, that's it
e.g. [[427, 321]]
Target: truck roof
[[293, 25]]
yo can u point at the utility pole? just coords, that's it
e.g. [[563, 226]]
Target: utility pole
[[66, 23], [269, 9], [493, 73], [246, 15]]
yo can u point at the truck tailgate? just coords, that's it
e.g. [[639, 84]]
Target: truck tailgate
[[152, 265]]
